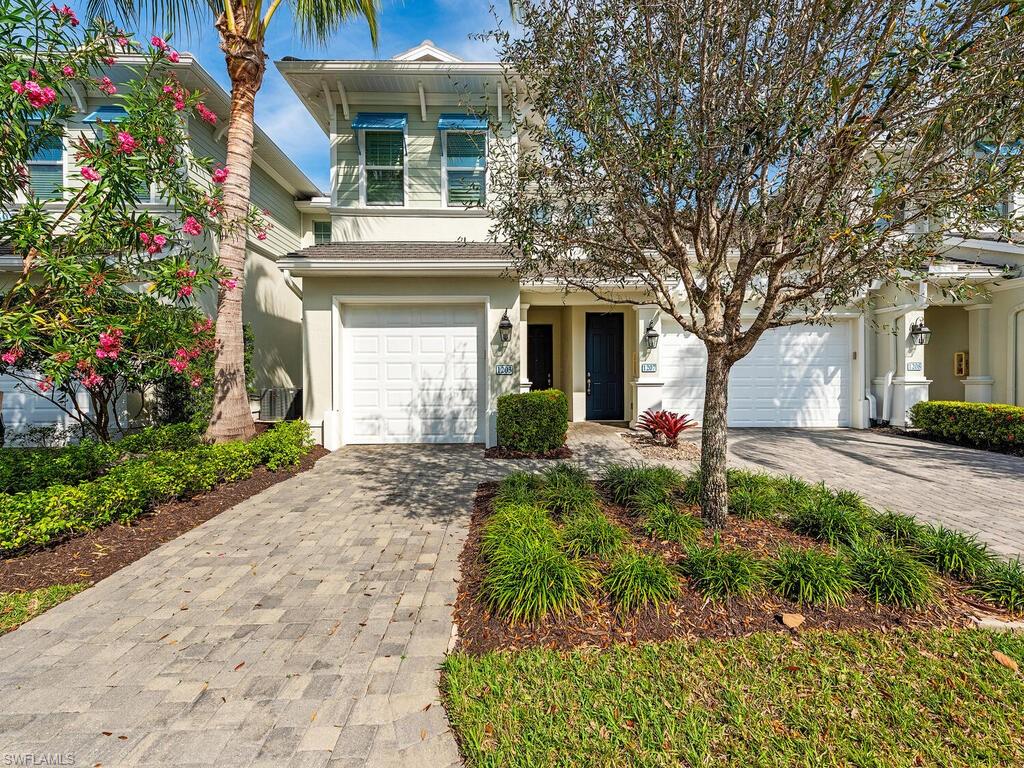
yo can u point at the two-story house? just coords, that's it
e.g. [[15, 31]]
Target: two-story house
[[270, 307], [412, 326]]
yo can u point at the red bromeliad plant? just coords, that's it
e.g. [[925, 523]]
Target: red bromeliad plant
[[667, 424], [105, 302]]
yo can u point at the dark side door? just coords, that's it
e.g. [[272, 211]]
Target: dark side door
[[605, 384], [539, 356]]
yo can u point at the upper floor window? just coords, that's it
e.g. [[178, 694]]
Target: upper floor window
[[321, 232], [110, 114], [463, 160], [382, 157], [46, 169]]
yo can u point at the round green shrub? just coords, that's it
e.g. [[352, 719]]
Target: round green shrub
[[533, 422], [637, 579], [809, 576]]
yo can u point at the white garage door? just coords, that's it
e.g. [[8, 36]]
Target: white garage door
[[411, 374], [798, 376]]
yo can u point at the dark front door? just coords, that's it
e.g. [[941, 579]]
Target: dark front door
[[604, 366], [539, 364]]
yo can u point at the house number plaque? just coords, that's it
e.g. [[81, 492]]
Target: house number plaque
[[648, 367], [504, 369], [915, 365]]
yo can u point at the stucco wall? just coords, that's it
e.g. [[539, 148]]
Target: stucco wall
[[1007, 343], [319, 323], [949, 335]]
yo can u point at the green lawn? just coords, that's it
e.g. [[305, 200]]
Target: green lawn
[[824, 699], [18, 607]]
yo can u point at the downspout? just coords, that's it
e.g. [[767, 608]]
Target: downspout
[[292, 285], [898, 311], [862, 331]]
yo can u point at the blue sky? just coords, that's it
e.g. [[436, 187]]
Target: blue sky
[[402, 24]]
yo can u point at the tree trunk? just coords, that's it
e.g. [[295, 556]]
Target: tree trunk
[[714, 497], [231, 418]]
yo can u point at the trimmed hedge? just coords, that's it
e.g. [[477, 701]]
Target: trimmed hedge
[[39, 517], [982, 425], [31, 469], [533, 422]]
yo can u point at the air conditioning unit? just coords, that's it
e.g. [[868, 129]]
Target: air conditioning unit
[[280, 404]]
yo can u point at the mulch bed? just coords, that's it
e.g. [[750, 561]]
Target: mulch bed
[[497, 452], [690, 615], [918, 434], [650, 448], [99, 553]]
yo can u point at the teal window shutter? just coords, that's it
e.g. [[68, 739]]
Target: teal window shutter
[[385, 167]]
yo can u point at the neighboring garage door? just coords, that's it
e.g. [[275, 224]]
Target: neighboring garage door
[[798, 376], [23, 408], [411, 374]]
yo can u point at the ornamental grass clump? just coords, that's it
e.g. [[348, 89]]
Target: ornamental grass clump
[[636, 580], [666, 522], [890, 575], [809, 576], [528, 577], [954, 553], [898, 529], [518, 488], [635, 484], [591, 534], [753, 495], [567, 490], [516, 521], [1002, 583], [835, 518], [719, 573]]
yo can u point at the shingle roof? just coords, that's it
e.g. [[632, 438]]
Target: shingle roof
[[405, 251]]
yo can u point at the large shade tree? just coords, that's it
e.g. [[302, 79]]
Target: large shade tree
[[242, 26], [754, 165]]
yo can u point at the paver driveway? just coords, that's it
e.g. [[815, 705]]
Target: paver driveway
[[975, 491], [302, 627]]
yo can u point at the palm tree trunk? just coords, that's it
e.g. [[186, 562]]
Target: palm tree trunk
[[714, 499], [231, 418]]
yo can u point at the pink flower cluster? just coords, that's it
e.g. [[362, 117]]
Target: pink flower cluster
[[107, 86], [67, 70], [215, 205], [90, 379], [182, 357], [66, 13], [191, 227], [229, 283], [89, 173], [12, 355], [206, 113], [38, 96], [154, 243], [186, 276], [204, 326], [110, 344], [219, 175], [126, 143], [45, 384]]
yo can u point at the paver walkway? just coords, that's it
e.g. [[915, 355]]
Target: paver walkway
[[303, 627]]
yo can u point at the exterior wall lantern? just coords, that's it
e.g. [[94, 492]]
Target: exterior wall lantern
[[505, 328], [651, 335], [920, 333]]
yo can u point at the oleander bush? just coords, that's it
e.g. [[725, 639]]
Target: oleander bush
[[533, 422], [131, 487], [30, 469], [637, 579], [591, 534], [719, 573], [887, 574], [1002, 583], [953, 553], [981, 425], [809, 576]]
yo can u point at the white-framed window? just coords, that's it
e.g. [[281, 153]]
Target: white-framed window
[[109, 114], [464, 168], [383, 167], [321, 232], [46, 169]]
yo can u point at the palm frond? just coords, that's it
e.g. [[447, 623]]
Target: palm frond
[[181, 16], [318, 20]]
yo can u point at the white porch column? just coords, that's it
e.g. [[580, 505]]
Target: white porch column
[[978, 384], [909, 386], [524, 379], [647, 383]]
